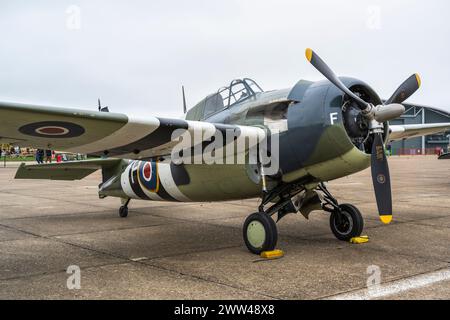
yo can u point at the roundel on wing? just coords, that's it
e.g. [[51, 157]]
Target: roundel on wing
[[52, 129]]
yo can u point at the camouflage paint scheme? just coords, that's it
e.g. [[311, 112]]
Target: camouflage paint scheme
[[314, 145]]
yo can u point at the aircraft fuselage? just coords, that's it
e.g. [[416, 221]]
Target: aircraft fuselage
[[314, 146]]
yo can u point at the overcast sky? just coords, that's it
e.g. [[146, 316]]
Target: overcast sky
[[135, 55]]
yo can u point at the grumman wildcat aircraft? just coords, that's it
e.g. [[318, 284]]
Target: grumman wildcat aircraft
[[325, 130]]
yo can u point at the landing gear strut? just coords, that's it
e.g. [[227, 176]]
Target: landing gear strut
[[346, 221], [123, 210]]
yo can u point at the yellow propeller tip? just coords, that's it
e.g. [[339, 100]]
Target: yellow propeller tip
[[386, 219], [419, 81], [309, 54]]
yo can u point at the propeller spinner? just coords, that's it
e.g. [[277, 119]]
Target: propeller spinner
[[377, 115]]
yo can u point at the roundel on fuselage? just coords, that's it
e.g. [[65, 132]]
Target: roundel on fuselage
[[148, 175]]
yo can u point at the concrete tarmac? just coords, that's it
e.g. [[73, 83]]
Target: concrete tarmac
[[196, 251]]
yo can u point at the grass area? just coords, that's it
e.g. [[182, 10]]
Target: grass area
[[17, 159]]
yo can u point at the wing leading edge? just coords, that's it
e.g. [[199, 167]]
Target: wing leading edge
[[401, 132]]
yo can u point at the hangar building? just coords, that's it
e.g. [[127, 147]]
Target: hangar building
[[418, 114]]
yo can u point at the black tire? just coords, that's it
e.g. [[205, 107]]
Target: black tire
[[123, 212], [352, 224], [268, 240]]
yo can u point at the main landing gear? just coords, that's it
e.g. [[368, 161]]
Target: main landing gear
[[260, 230], [260, 233], [346, 221]]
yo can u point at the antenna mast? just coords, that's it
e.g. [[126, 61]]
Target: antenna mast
[[184, 100]]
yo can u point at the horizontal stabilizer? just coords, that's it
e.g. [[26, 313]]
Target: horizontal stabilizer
[[71, 170]]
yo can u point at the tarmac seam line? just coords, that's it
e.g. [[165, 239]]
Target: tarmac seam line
[[394, 286]]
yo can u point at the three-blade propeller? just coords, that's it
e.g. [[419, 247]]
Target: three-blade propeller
[[377, 115]]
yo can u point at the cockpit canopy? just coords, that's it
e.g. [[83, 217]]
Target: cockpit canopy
[[238, 91]]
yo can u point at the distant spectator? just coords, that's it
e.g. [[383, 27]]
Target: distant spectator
[[48, 156], [39, 156], [389, 150]]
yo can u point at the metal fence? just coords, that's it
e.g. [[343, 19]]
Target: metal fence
[[417, 152]]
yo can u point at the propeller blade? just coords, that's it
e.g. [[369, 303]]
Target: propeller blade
[[323, 68], [381, 180], [406, 89]]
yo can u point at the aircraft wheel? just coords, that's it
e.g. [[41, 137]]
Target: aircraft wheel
[[351, 224], [123, 211], [260, 233]]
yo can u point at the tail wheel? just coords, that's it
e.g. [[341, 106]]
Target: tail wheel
[[260, 233], [123, 211], [350, 224]]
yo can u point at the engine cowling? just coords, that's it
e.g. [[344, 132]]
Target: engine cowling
[[324, 125]]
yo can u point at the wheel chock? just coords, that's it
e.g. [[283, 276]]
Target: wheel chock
[[359, 240], [275, 254]]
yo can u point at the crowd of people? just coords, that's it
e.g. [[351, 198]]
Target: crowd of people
[[44, 155], [47, 156], [40, 155], [14, 151]]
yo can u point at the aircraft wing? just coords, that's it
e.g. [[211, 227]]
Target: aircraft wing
[[400, 132], [101, 133]]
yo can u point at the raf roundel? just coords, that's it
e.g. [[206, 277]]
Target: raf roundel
[[52, 129], [147, 171]]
